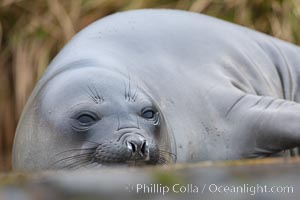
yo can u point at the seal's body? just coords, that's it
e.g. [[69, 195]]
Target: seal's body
[[213, 91]]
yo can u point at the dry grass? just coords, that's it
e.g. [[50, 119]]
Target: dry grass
[[32, 31]]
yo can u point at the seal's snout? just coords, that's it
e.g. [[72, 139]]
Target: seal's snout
[[139, 147]]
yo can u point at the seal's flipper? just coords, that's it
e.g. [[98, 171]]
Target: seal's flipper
[[274, 124]]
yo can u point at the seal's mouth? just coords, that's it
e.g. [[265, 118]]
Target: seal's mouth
[[112, 154], [129, 148]]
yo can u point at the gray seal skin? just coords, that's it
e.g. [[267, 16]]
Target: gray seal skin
[[159, 86]]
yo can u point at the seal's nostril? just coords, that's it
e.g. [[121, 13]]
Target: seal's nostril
[[143, 149], [133, 147]]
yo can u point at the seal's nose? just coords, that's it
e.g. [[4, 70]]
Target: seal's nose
[[139, 147]]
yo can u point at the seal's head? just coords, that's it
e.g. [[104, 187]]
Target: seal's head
[[91, 117]]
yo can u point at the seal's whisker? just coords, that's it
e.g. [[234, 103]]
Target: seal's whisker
[[92, 94], [83, 149], [169, 153], [162, 162], [92, 142], [118, 122], [74, 156], [95, 94], [162, 145], [82, 164], [129, 88], [125, 87], [166, 153], [162, 159], [98, 94], [168, 156], [135, 93], [86, 155], [173, 157], [76, 163], [165, 148]]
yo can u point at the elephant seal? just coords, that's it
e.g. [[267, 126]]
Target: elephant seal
[[159, 86]]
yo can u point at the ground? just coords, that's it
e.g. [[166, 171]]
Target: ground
[[271, 178]]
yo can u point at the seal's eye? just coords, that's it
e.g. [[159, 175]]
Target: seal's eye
[[148, 114], [83, 120], [86, 118]]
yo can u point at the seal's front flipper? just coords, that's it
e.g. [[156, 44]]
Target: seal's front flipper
[[271, 125]]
